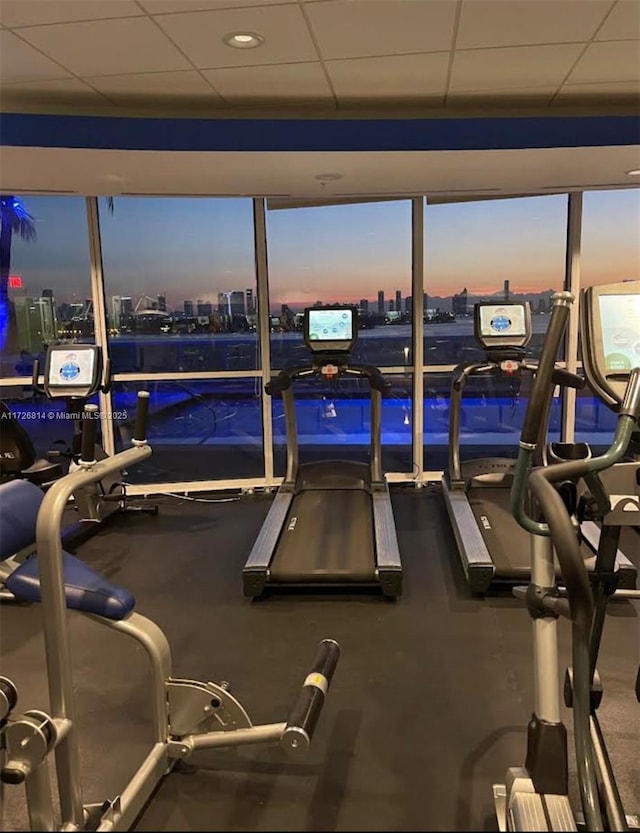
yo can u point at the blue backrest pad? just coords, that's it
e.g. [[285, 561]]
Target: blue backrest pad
[[19, 505]]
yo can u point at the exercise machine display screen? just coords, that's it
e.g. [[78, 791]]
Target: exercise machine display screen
[[502, 320], [330, 325], [620, 320], [331, 329], [73, 370]]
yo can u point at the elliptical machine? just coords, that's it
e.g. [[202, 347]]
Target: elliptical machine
[[535, 796], [76, 373]]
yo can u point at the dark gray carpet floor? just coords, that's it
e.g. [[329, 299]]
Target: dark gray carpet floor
[[428, 707]]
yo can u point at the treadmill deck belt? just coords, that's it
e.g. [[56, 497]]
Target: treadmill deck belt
[[327, 537]]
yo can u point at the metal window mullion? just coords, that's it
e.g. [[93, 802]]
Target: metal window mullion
[[572, 283], [196, 376], [417, 312], [264, 331], [100, 316]]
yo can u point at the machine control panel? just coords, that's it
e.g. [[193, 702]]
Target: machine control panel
[[502, 325], [331, 329]]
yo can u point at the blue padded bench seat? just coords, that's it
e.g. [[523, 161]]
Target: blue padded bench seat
[[85, 589]]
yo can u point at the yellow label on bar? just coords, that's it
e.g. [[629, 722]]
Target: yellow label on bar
[[318, 681]]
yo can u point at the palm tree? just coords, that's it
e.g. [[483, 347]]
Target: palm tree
[[14, 219]]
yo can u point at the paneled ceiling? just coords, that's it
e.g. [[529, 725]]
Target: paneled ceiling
[[106, 56]]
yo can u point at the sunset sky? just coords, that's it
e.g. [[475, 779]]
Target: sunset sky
[[194, 248]]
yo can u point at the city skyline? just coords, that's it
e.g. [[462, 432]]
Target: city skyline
[[339, 253]]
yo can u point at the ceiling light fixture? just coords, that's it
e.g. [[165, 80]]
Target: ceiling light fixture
[[634, 172], [243, 40]]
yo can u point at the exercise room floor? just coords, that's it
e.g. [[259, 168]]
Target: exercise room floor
[[427, 710]]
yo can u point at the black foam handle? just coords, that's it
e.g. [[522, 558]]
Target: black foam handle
[[543, 382], [89, 433], [305, 714], [566, 379], [142, 411], [35, 375]]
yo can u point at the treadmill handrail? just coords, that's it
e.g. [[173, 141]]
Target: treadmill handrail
[[461, 374], [285, 377]]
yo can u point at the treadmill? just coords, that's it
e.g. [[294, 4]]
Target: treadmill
[[331, 523], [494, 549]]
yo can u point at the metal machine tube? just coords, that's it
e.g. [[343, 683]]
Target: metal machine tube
[[59, 669], [545, 637], [461, 374], [291, 429], [266, 733], [376, 432]]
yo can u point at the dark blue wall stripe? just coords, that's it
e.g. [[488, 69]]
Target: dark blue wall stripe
[[104, 132]]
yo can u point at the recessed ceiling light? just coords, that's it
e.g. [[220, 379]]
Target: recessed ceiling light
[[243, 40], [634, 172], [328, 177]]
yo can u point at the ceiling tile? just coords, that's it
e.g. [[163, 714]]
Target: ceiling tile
[[395, 76], [607, 89], [65, 91], [165, 6], [36, 12], [20, 62], [623, 23], [200, 34], [108, 47], [499, 23], [155, 85], [285, 82], [608, 61], [381, 27], [512, 67]]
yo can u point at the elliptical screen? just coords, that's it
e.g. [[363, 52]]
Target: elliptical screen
[[620, 318], [500, 320], [72, 368]]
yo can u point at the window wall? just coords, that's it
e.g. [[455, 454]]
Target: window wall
[[167, 287], [357, 254], [498, 251], [45, 298], [610, 253]]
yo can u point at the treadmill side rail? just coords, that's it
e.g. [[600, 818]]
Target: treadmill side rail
[[386, 540], [256, 570], [476, 560], [626, 570]]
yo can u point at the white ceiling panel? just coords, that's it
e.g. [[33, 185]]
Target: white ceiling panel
[[512, 67], [121, 88], [623, 23], [401, 76], [200, 34], [166, 6], [36, 12], [65, 91], [21, 62], [381, 27], [617, 89], [486, 23], [108, 47], [299, 82], [608, 61]]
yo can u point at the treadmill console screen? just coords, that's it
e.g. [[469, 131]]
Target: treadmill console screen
[[330, 328], [73, 370], [502, 325], [620, 320]]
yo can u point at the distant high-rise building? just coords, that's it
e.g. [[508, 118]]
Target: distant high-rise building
[[188, 308], [162, 303], [36, 322], [460, 303], [506, 291], [203, 308], [47, 293], [381, 307], [237, 302], [408, 304], [398, 306], [121, 308], [363, 306], [251, 310], [390, 305]]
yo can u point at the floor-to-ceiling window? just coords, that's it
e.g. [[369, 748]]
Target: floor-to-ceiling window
[[181, 316], [500, 251], [45, 298], [357, 254], [610, 253]]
